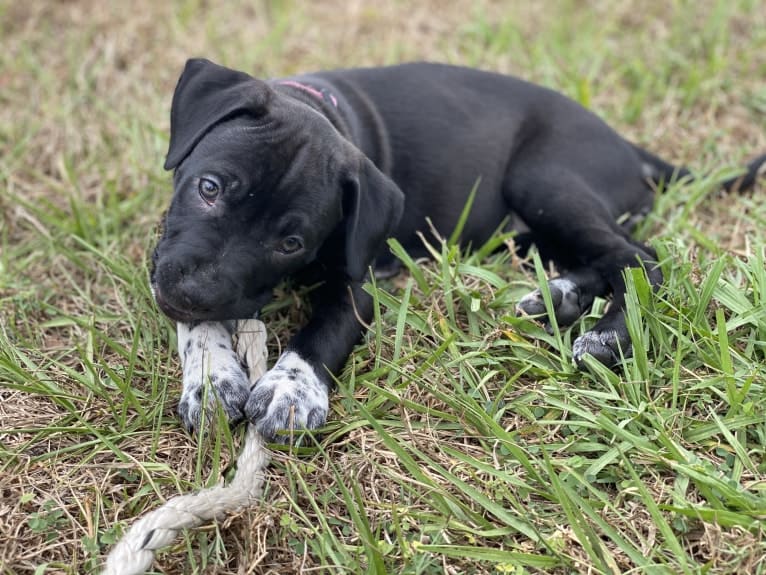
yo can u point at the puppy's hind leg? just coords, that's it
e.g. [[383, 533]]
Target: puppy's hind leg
[[581, 233]]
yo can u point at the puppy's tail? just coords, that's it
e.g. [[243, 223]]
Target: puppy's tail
[[660, 171]]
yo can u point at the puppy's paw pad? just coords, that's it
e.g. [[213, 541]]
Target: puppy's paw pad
[[604, 346], [290, 396]]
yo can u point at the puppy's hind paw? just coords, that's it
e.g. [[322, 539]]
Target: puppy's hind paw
[[289, 397], [604, 346], [565, 297]]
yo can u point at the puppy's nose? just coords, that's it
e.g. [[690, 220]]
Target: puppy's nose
[[187, 285]]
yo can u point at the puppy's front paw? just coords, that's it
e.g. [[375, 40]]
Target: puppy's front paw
[[229, 389], [212, 374], [290, 396]]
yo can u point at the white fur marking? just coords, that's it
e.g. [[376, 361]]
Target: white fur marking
[[564, 284]]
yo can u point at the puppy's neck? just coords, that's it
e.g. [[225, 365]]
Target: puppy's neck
[[320, 94]]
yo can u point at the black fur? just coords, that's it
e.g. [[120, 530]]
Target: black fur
[[344, 159]]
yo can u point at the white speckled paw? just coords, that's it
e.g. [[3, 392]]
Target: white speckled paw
[[212, 374], [290, 396]]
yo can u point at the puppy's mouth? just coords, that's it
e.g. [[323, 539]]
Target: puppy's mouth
[[244, 309], [173, 312]]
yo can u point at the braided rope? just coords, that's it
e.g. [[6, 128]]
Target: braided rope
[[134, 553]]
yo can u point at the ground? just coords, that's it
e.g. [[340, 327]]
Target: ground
[[463, 439]]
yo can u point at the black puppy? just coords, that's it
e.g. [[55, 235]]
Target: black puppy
[[308, 176]]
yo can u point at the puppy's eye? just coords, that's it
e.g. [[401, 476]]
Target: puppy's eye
[[290, 245], [208, 190]]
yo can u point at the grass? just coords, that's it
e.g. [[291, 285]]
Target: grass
[[462, 440]]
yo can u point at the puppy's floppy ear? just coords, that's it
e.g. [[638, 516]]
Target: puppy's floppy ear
[[372, 207], [206, 95]]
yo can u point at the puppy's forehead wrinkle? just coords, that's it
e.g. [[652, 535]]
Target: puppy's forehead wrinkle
[[233, 145], [246, 129]]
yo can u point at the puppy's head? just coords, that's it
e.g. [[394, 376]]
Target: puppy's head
[[263, 186]]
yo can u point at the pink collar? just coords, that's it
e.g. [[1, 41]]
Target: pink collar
[[319, 94]]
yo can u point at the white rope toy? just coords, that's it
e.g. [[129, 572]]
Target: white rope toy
[[134, 553]]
